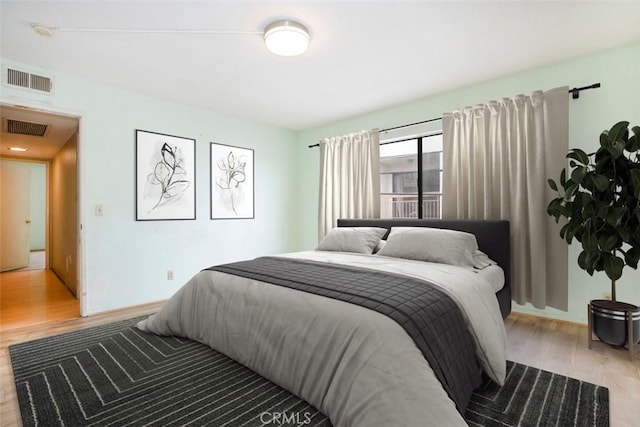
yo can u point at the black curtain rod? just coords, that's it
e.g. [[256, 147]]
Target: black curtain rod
[[398, 140], [397, 127], [575, 94], [411, 138], [411, 124]]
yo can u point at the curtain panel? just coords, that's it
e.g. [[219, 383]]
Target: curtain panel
[[497, 159], [349, 178]]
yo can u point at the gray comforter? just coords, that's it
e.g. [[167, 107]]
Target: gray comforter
[[357, 366]]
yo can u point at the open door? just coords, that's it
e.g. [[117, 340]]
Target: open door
[[14, 215]]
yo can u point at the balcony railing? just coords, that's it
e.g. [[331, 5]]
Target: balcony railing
[[406, 205]]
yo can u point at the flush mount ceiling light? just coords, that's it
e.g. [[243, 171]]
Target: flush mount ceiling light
[[286, 38], [283, 37], [43, 30], [17, 149]]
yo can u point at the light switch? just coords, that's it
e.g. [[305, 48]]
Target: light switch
[[99, 210]]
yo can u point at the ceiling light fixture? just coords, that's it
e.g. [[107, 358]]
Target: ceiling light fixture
[[283, 37], [17, 149], [43, 30], [286, 38]]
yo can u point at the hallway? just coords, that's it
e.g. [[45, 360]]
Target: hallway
[[32, 297]]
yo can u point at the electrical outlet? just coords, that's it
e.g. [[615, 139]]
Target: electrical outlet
[[170, 275], [606, 295]]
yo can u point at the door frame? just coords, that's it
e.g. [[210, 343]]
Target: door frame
[[81, 290]]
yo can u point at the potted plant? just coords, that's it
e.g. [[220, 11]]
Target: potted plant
[[599, 196]]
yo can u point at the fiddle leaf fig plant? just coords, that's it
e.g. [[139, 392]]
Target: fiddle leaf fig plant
[[599, 196]]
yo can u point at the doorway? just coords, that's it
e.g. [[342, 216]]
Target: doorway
[[44, 284], [23, 191]]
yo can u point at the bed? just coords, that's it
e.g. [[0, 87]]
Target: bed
[[492, 236], [354, 360]]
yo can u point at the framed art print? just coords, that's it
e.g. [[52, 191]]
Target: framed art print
[[165, 177], [232, 195]]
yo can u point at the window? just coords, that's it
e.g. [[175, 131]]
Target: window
[[404, 192]]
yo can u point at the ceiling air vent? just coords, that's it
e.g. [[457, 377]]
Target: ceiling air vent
[[26, 80], [26, 128]]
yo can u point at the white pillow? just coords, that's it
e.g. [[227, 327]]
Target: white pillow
[[361, 240], [432, 245], [482, 260]]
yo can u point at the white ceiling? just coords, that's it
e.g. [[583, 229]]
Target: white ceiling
[[363, 56]]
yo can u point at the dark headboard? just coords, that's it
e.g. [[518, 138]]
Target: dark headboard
[[492, 236]]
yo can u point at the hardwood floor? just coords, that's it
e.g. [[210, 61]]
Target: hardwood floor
[[561, 347], [546, 344], [30, 297]]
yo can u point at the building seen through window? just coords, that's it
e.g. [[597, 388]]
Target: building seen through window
[[401, 178]]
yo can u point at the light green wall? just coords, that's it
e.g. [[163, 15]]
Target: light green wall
[[618, 70], [126, 261], [38, 205]]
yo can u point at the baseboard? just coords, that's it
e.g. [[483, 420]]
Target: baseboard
[[64, 282], [553, 319], [149, 306]]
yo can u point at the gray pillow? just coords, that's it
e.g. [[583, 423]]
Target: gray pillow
[[432, 245], [361, 240]]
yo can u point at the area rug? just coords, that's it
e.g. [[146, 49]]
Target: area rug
[[116, 375]]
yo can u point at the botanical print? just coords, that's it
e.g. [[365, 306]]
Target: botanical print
[[231, 182], [165, 170], [232, 176], [170, 174]]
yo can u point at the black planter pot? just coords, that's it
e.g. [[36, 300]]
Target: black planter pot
[[609, 321]]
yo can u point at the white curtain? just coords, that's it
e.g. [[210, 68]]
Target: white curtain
[[497, 159], [349, 178]]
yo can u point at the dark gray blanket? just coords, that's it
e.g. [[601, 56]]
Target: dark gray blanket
[[430, 317]]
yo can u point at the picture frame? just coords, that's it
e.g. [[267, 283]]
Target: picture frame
[[232, 173], [165, 177]]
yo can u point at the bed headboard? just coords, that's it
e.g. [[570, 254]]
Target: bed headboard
[[492, 236]]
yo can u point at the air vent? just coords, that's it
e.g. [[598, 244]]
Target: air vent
[[17, 78], [23, 79], [26, 128], [40, 83]]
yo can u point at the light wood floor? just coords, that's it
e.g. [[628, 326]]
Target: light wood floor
[[30, 297], [547, 344], [562, 348]]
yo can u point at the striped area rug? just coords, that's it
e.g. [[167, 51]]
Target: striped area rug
[[533, 397], [116, 375]]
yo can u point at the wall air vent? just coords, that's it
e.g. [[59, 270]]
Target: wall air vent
[[41, 83], [17, 78], [26, 128], [23, 79]]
